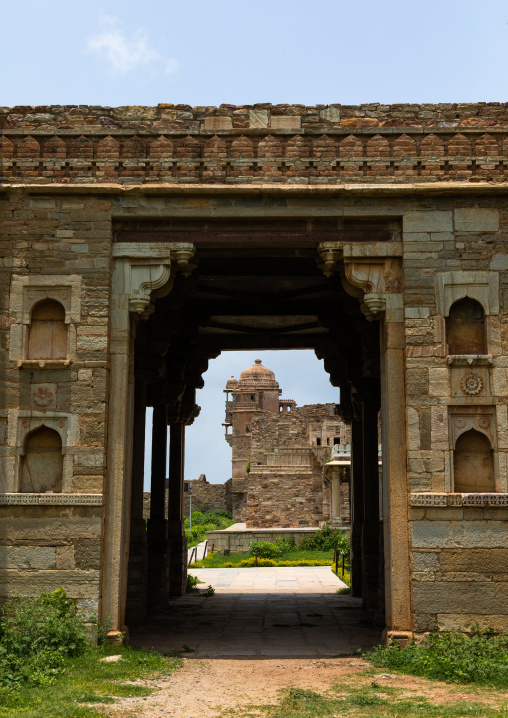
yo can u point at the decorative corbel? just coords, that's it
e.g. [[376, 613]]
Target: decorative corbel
[[147, 270], [330, 254], [371, 280]]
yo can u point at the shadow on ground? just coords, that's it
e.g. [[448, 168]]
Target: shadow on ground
[[274, 625]]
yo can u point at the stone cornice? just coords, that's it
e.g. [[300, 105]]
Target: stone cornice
[[434, 188]]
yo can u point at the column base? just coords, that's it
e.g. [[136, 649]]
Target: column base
[[399, 638]]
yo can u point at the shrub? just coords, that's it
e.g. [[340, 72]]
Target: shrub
[[263, 549], [190, 583], [284, 545], [327, 539], [37, 635], [260, 562], [453, 657]]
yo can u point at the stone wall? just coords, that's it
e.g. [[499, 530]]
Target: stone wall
[[55, 248], [205, 496], [259, 143], [285, 483], [238, 540], [71, 175], [460, 567]]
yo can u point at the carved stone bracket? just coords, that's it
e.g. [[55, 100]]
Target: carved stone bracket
[[368, 273], [146, 270]]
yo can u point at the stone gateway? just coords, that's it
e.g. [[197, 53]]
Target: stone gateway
[[137, 243]]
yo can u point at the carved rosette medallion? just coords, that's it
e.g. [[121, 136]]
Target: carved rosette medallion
[[460, 423], [43, 397], [484, 423], [471, 383]]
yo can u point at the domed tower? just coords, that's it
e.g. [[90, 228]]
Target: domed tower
[[257, 390]]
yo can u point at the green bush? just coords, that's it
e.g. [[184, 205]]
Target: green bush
[[191, 583], [36, 636], [263, 549], [326, 539], [284, 545], [452, 657]]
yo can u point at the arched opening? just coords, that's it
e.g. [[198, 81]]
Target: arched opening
[[42, 462], [465, 328], [473, 463], [47, 335]]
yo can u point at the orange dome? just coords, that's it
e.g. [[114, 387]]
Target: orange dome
[[258, 374]]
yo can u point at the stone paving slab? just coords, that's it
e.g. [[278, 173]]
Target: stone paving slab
[[265, 620]]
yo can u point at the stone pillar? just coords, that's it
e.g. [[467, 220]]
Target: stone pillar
[[370, 529], [357, 506], [395, 498], [138, 554], [157, 525], [176, 531], [115, 548]]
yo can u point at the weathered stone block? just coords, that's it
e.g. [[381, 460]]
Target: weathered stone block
[[28, 557], [427, 221], [473, 219], [468, 597], [88, 554], [487, 560], [459, 534], [218, 123]]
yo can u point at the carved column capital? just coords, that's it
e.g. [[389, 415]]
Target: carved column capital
[[147, 270]]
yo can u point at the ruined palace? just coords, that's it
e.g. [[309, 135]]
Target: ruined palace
[[137, 243], [280, 456]]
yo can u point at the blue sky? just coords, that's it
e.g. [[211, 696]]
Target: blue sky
[[214, 51]]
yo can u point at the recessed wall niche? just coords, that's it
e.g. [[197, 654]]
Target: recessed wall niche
[[465, 327], [473, 440], [41, 464], [45, 310]]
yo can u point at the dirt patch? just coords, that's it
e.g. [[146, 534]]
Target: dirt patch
[[205, 688]]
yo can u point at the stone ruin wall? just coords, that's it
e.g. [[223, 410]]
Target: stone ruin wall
[[285, 483], [205, 496], [259, 143], [60, 235]]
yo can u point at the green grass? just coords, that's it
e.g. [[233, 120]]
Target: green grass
[[86, 682], [481, 658], [218, 560], [368, 701]]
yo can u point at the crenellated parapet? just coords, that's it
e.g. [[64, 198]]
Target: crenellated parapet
[[288, 144]]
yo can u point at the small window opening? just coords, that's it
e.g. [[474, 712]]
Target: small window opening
[[336, 440], [253, 397], [318, 441], [465, 328], [247, 429]]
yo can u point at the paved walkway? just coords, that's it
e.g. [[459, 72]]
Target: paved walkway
[[262, 612], [200, 554], [301, 579]]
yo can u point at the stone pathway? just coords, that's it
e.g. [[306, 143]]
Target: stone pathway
[[262, 612], [200, 551]]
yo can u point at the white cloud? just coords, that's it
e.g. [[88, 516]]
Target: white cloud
[[126, 54]]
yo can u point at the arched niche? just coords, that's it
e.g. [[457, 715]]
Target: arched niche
[[41, 467], [473, 464], [465, 327], [47, 332]]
